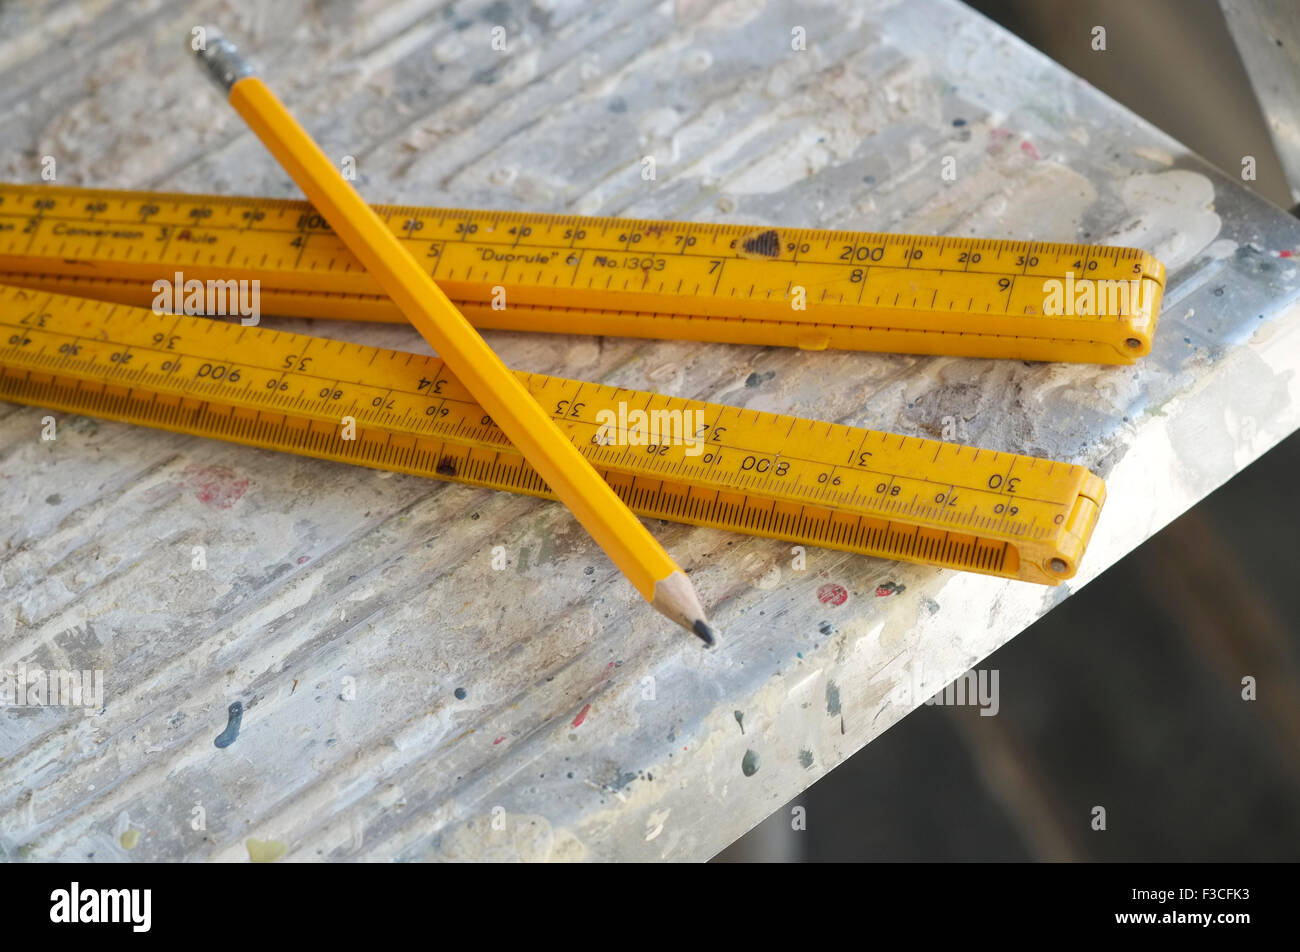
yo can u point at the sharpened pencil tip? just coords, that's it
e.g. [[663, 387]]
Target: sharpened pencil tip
[[676, 598], [704, 632]]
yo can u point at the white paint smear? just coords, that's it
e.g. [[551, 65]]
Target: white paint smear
[[1174, 217]]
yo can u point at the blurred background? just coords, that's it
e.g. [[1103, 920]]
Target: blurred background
[[1129, 694]]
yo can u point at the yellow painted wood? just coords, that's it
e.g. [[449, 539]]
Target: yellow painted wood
[[622, 536], [764, 474], [569, 274]]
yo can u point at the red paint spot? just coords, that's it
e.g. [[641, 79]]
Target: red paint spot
[[582, 716], [889, 588], [1284, 254], [303, 558], [832, 594], [497, 741], [216, 486], [1028, 149]]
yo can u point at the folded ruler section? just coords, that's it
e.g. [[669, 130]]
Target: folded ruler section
[[705, 464], [804, 288]]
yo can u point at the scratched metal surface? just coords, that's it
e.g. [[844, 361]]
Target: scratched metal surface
[[343, 608], [1267, 36]]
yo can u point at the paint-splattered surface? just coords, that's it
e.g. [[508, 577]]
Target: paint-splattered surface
[[348, 677]]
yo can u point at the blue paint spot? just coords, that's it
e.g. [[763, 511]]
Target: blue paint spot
[[236, 717]]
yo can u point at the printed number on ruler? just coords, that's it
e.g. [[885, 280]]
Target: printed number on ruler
[[733, 283], [777, 476]]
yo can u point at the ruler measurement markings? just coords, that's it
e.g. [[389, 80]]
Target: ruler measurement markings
[[803, 469], [478, 239]]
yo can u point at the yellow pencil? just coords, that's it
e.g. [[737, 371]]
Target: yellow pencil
[[595, 505]]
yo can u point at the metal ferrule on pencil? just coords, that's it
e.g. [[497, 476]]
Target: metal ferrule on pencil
[[223, 61]]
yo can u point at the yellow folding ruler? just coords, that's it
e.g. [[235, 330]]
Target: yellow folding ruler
[[565, 274], [777, 476]]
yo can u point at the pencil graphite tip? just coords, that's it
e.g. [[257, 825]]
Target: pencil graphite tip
[[676, 597], [704, 632], [222, 59]]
